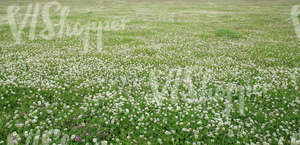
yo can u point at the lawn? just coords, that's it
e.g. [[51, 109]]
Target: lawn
[[215, 72]]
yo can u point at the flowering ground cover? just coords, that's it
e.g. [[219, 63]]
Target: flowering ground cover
[[169, 72]]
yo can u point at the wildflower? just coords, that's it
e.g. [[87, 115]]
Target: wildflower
[[94, 140], [73, 137], [56, 132], [185, 129], [26, 133], [103, 142], [159, 141], [167, 133], [77, 138]]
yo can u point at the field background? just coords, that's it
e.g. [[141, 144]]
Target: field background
[[50, 84]]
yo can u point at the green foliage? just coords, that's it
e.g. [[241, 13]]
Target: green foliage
[[228, 33]]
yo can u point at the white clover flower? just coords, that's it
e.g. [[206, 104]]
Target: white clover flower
[[265, 143], [19, 125], [103, 142], [126, 111], [94, 140], [37, 137], [159, 141], [73, 136], [185, 129], [15, 134], [56, 132], [26, 133], [167, 132], [34, 121]]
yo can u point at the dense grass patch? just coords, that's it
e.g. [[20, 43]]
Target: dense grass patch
[[175, 72], [228, 33]]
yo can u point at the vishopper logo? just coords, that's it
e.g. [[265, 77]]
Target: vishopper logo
[[48, 33], [295, 139], [295, 18], [52, 30], [180, 84], [45, 138]]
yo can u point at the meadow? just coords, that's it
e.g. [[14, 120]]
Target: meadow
[[205, 72]]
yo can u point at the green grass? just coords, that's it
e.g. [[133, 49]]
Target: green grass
[[228, 33], [188, 54]]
